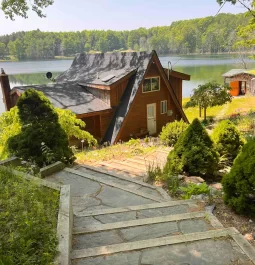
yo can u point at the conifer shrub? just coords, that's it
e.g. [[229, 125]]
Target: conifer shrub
[[195, 151], [239, 183], [172, 131], [39, 127], [227, 139]]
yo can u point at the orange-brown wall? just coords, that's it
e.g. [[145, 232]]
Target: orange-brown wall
[[235, 88], [176, 84], [117, 92], [137, 116]]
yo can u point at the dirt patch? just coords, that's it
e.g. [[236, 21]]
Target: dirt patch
[[228, 218]]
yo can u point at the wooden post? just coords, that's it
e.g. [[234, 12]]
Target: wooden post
[[5, 84]]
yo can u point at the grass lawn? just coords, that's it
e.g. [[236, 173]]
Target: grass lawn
[[28, 222], [238, 105]]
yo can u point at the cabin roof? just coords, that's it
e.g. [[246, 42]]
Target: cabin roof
[[235, 72], [69, 96], [101, 68], [176, 74]]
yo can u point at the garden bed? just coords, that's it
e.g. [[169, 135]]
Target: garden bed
[[28, 221], [244, 224]]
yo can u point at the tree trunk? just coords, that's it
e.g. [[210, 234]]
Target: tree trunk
[[205, 113], [200, 111]]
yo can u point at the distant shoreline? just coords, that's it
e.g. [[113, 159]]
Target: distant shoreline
[[180, 55]]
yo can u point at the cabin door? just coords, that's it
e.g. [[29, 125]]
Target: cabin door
[[151, 118]]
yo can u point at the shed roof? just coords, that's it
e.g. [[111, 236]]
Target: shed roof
[[69, 96], [234, 72]]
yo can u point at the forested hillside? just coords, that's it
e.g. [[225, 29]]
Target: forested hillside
[[204, 35]]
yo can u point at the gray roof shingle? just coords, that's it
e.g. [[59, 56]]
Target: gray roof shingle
[[69, 96], [234, 72], [94, 68]]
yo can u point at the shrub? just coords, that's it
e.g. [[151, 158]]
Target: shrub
[[194, 189], [28, 221], [40, 126], [172, 131], [227, 139], [239, 183], [194, 151]]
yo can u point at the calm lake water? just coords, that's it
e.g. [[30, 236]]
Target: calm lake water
[[202, 68]]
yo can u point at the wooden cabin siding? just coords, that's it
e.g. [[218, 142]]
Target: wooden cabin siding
[[117, 92], [93, 125], [102, 94], [136, 121], [105, 120], [176, 84]]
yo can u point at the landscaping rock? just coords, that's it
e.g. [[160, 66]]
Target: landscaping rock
[[249, 237], [192, 179], [210, 208], [217, 186]]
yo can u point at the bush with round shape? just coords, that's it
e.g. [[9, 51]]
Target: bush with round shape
[[239, 183], [227, 139], [172, 131], [40, 127], [195, 150]]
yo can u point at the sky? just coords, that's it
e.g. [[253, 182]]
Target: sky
[[76, 15]]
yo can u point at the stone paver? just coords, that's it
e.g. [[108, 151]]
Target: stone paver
[[206, 252], [118, 221]]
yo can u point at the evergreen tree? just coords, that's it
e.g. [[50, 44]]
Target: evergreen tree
[[40, 129], [239, 184], [195, 152]]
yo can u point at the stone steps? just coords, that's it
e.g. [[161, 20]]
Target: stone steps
[[104, 175], [221, 247], [124, 221], [136, 230]]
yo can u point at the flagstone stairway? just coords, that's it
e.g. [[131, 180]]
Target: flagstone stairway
[[137, 166], [120, 220]]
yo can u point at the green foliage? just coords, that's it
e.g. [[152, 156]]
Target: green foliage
[[74, 127], [209, 95], [9, 127], [28, 221], [133, 142], [227, 139], [21, 7], [193, 153], [40, 125], [154, 172], [202, 35], [239, 184], [194, 189], [172, 131]]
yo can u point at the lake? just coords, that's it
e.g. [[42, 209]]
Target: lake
[[202, 68]]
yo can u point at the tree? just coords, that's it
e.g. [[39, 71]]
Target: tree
[[227, 139], [39, 128], [2, 49], [239, 183], [10, 125], [74, 127], [248, 4], [209, 95], [194, 151], [21, 7]]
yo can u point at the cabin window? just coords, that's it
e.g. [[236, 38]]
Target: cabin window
[[151, 84], [163, 107]]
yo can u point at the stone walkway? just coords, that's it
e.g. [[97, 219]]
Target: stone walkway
[[120, 220], [137, 166]]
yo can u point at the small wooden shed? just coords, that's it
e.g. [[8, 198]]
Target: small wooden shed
[[242, 81]]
